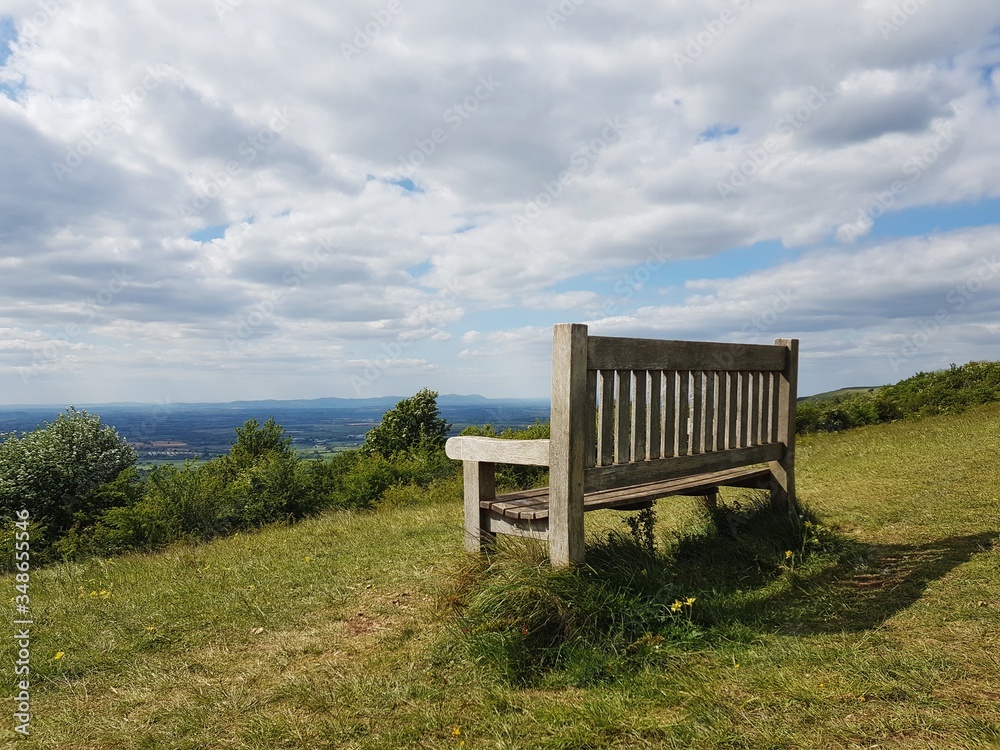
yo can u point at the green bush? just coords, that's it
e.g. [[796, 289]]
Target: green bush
[[258, 482], [926, 393], [55, 472], [413, 424]]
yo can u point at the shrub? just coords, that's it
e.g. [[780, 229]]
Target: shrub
[[56, 471], [926, 393], [413, 424]]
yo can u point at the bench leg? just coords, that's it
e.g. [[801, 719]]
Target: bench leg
[[783, 488], [480, 484], [712, 500]]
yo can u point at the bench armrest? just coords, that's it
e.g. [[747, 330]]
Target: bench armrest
[[498, 450]]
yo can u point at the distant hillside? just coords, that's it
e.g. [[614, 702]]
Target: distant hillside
[[201, 430], [328, 402], [841, 393], [941, 392]]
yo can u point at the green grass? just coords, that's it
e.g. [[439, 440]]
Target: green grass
[[340, 631]]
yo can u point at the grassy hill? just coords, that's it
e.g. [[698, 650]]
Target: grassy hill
[[841, 393], [924, 394], [338, 632]]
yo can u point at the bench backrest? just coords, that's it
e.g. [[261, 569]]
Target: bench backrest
[[641, 410]]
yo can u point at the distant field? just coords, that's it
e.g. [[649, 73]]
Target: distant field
[[330, 634], [208, 430]]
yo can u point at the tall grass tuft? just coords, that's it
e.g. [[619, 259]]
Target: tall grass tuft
[[638, 600]]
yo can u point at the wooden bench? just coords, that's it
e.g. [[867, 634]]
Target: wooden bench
[[634, 420]]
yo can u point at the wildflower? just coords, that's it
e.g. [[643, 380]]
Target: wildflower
[[150, 629], [308, 558], [690, 600], [456, 731], [676, 606], [788, 553], [59, 655]]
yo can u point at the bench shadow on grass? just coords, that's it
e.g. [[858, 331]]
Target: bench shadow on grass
[[740, 571], [861, 594]]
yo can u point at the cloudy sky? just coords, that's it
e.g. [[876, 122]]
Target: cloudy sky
[[227, 199]]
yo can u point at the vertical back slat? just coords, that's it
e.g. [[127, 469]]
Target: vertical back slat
[[697, 412], [775, 406], [711, 428], [733, 410], [721, 410], [623, 412], [744, 409], [683, 411], [639, 416], [765, 408], [606, 436], [754, 408], [590, 449], [653, 447], [670, 413]]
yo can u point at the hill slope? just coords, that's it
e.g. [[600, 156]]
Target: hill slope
[[330, 633]]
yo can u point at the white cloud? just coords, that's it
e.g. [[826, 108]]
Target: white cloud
[[132, 127]]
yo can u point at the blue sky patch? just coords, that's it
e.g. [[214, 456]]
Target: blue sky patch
[[921, 220], [715, 132], [407, 184], [420, 269], [8, 34], [215, 232]]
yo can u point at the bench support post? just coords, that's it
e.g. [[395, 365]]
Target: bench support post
[[567, 444], [783, 470], [479, 479]]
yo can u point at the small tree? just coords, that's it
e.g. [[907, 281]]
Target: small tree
[[255, 441], [414, 424], [54, 470]]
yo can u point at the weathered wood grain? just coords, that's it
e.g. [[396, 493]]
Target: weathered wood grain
[[621, 475], [623, 418], [498, 450], [649, 354], [479, 480], [606, 438], [566, 447], [655, 442], [783, 469], [533, 505]]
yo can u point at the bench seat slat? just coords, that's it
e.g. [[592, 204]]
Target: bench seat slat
[[533, 505]]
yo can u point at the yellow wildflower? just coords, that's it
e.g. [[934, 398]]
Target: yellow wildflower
[[59, 655]]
